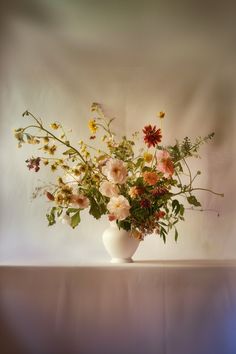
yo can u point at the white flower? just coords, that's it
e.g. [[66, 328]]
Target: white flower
[[79, 201], [115, 171], [119, 207], [66, 219], [108, 189]]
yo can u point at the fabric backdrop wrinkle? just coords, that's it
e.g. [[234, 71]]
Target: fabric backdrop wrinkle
[[135, 58]]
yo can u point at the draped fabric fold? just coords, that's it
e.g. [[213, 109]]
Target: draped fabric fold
[[136, 309]]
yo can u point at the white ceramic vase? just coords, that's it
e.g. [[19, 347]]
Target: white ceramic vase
[[119, 244]]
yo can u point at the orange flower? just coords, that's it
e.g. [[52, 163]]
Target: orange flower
[[135, 191], [150, 178]]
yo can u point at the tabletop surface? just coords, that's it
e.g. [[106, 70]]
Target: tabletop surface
[[135, 264]]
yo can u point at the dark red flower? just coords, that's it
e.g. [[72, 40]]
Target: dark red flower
[[160, 214], [152, 135], [159, 191], [145, 203], [33, 164], [50, 196]]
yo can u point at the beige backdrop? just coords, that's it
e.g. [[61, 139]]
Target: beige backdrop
[[136, 58]]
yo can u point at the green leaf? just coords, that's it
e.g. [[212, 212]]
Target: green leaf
[[95, 210], [51, 217], [59, 211], [181, 210], [163, 234], [72, 210], [75, 219], [125, 224], [139, 162], [69, 152], [175, 206], [193, 201], [176, 235]]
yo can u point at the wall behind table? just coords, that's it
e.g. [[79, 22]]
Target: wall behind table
[[136, 59]]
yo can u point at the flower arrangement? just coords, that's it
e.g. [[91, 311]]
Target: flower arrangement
[[137, 189]]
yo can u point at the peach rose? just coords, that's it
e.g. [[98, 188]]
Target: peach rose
[[79, 201], [115, 171], [108, 189], [164, 163], [119, 207]]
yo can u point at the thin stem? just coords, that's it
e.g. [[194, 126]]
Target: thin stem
[[54, 136], [207, 190], [190, 174]]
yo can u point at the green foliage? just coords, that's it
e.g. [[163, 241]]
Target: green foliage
[[54, 212], [124, 224], [193, 201], [75, 219], [176, 235]]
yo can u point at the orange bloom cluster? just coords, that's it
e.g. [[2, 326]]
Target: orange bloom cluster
[[150, 178]]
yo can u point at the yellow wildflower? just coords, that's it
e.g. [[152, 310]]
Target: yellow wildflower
[[161, 114], [45, 162], [31, 139], [60, 181], [52, 149], [46, 139], [92, 126], [83, 168], [147, 157], [76, 171], [55, 125]]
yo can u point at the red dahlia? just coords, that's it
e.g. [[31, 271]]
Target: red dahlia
[[152, 135], [145, 203]]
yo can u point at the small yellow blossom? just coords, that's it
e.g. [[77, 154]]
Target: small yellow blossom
[[52, 149], [76, 171], [53, 167], [83, 168], [92, 126], [45, 162], [95, 107], [147, 157], [60, 181], [161, 114], [46, 139], [55, 125]]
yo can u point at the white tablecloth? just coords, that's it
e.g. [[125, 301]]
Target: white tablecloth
[[161, 308]]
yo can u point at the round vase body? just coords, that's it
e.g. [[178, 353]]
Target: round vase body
[[120, 244]]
